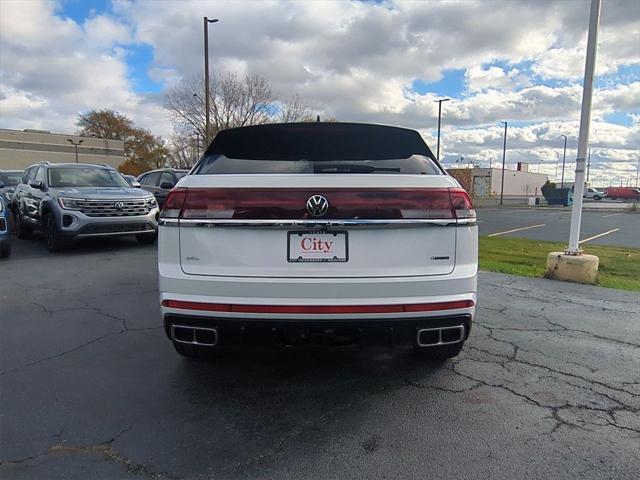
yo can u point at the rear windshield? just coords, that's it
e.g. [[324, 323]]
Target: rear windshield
[[85, 177], [220, 164], [10, 179], [317, 148]]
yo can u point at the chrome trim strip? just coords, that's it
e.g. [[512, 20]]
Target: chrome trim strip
[[210, 223], [112, 234], [460, 328]]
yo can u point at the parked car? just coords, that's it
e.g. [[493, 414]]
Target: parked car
[[627, 193], [318, 232], [133, 181], [5, 226], [69, 201], [159, 182], [593, 193], [9, 178]]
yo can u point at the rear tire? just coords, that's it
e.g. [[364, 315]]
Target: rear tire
[[55, 241], [597, 197], [22, 231], [194, 352], [441, 353], [5, 248], [147, 238]]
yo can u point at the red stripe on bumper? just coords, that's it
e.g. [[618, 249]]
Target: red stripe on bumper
[[317, 309]]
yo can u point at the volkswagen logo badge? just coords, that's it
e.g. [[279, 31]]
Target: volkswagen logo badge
[[119, 205], [317, 205]]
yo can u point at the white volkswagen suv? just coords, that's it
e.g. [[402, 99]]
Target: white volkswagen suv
[[332, 233]]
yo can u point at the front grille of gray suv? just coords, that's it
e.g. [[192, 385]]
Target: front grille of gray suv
[[114, 208]]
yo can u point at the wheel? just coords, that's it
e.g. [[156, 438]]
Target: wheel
[[147, 238], [55, 240], [441, 353], [613, 198], [194, 352], [22, 230], [5, 248], [597, 197]]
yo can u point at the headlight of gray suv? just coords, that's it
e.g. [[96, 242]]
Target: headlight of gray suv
[[69, 203], [151, 201]]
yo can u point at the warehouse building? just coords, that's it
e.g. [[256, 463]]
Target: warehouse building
[[486, 183], [21, 148]]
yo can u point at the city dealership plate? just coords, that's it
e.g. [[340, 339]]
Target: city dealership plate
[[317, 246]]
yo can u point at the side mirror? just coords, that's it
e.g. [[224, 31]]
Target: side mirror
[[2, 185], [166, 185], [135, 184], [36, 184]]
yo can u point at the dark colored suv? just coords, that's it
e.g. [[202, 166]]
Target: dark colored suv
[[70, 200], [159, 182]]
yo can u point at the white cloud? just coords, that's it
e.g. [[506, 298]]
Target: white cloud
[[352, 60]]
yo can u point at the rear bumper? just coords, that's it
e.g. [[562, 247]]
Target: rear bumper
[[387, 332]]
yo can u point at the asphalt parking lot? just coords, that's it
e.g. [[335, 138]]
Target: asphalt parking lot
[[609, 227], [548, 386]]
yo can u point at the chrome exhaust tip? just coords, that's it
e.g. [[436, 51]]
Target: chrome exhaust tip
[[432, 337], [206, 337]]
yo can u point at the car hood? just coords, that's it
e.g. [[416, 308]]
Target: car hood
[[102, 192]]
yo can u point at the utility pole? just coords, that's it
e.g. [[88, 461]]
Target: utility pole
[[564, 157], [75, 145], [588, 165], [638, 173], [207, 21], [504, 156], [585, 123], [439, 119]]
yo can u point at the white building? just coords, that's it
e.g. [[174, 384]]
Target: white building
[[487, 182], [21, 148]]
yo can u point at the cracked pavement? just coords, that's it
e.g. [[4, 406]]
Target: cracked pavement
[[548, 386]]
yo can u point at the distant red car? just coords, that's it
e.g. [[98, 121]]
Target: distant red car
[[623, 192]]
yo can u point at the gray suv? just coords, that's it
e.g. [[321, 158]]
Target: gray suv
[[68, 201]]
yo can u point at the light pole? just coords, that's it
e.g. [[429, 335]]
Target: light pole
[[564, 156], [439, 120], [588, 165], [207, 21], [504, 156], [638, 173], [75, 145]]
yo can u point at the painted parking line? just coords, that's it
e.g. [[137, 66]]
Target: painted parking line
[[599, 235], [517, 230], [612, 215]]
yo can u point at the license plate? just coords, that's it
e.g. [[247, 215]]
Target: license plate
[[317, 246]]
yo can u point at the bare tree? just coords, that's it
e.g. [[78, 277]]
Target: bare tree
[[294, 110], [235, 101], [186, 151]]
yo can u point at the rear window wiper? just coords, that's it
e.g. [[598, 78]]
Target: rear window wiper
[[352, 168]]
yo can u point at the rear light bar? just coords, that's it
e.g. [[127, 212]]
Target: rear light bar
[[317, 309], [344, 204]]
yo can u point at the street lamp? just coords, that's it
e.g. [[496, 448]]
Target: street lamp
[[564, 156], [439, 119], [75, 145], [504, 156], [207, 21]]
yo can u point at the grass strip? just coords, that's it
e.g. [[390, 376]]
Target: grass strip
[[619, 266]]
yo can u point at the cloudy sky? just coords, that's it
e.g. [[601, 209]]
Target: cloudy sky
[[374, 61]]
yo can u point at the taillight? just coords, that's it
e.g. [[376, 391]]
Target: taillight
[[461, 203], [173, 205], [344, 204]]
